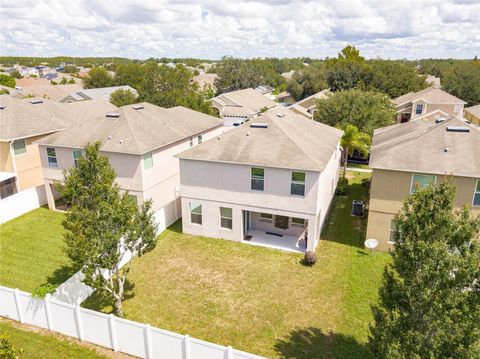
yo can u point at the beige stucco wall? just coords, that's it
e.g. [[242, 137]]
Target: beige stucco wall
[[471, 118], [429, 107], [6, 163], [390, 188]]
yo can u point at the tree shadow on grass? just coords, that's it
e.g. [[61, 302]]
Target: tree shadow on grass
[[312, 343], [62, 274], [102, 303]]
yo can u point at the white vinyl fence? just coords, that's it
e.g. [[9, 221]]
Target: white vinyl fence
[[22, 202], [109, 331]]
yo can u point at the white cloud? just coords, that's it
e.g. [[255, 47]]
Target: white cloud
[[212, 28]]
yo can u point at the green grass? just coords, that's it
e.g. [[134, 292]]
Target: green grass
[[31, 251], [262, 300], [358, 165], [41, 345]]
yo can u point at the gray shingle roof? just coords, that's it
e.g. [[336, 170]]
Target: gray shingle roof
[[102, 93], [290, 141], [135, 131], [426, 146], [246, 101]]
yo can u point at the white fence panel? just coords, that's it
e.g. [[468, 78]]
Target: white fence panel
[[131, 337], [33, 310], [96, 328], [63, 318], [166, 344], [7, 304], [205, 350], [238, 354], [22, 202]]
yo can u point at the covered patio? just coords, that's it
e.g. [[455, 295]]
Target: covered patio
[[288, 243]]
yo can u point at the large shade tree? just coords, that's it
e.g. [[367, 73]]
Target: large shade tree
[[430, 297], [102, 225]]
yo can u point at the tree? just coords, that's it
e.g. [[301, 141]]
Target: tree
[[430, 296], [307, 81], [345, 75], [123, 97], [101, 224], [353, 140], [97, 77], [364, 109], [6, 80], [350, 53], [70, 69], [16, 75], [463, 81]]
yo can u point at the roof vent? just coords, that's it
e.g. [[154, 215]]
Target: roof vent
[[137, 107], [2, 107], [439, 120], [280, 115], [37, 101], [446, 149], [113, 114], [457, 129], [121, 141], [259, 125], [109, 137]]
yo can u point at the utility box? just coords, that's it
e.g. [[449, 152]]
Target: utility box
[[357, 208]]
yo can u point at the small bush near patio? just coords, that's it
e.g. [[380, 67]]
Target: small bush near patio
[[31, 251], [263, 300]]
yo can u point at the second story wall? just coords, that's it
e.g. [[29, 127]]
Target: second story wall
[[451, 109]]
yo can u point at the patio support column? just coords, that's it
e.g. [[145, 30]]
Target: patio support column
[[50, 197], [312, 233]]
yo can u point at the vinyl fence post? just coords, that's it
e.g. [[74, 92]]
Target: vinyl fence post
[[148, 341], [229, 352], [48, 312], [16, 295], [113, 332], [186, 342], [78, 321]]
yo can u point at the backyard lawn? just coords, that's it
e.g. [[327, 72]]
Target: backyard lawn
[[31, 251], [262, 300]]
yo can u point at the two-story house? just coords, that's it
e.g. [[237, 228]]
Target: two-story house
[[409, 156], [268, 182], [431, 103], [140, 141], [237, 107], [306, 107]]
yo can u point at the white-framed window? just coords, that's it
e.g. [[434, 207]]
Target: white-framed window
[[147, 160], [19, 147], [457, 108], [226, 218], [77, 154], [297, 186], [421, 181], [257, 182], [52, 157], [199, 139], [133, 198], [266, 217], [476, 195], [298, 222], [394, 232], [419, 109], [195, 213], [191, 141]]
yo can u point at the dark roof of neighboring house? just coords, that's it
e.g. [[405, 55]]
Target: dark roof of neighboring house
[[426, 146], [289, 141]]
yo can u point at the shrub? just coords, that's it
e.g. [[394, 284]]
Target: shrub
[[7, 349], [310, 258], [342, 186], [43, 290], [366, 183]]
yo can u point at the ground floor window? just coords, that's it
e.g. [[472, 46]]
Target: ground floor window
[[266, 217], [394, 232], [8, 188], [298, 222], [476, 196], [226, 218], [195, 213]]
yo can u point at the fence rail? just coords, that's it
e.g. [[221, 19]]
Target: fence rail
[[21, 203], [118, 334]]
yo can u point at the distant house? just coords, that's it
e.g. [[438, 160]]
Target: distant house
[[269, 182], [204, 80], [288, 75], [102, 93], [140, 141], [236, 107], [431, 103], [285, 98], [408, 156], [433, 81], [266, 91], [306, 107], [472, 114], [52, 92]]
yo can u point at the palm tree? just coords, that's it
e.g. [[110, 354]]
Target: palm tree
[[353, 140]]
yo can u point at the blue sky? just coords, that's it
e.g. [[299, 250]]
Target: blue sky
[[209, 29]]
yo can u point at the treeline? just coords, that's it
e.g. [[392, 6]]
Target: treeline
[[58, 60]]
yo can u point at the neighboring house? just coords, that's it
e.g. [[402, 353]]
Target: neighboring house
[[140, 141], [51, 92], [285, 98], [431, 103], [407, 156], [236, 107], [266, 91], [288, 75], [306, 107], [433, 81], [31, 82], [22, 122], [278, 170], [472, 114], [102, 93], [205, 80]]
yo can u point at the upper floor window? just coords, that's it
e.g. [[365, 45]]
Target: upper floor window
[[257, 178], [52, 157], [77, 154], [421, 181], [147, 160], [457, 108], [191, 141], [476, 196], [195, 213], [225, 218], [297, 186], [19, 147], [419, 109], [199, 139]]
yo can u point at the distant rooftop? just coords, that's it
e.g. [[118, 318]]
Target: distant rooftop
[[102, 93], [247, 101], [430, 95]]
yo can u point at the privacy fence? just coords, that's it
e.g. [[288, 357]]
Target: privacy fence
[[22, 202], [118, 334]]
